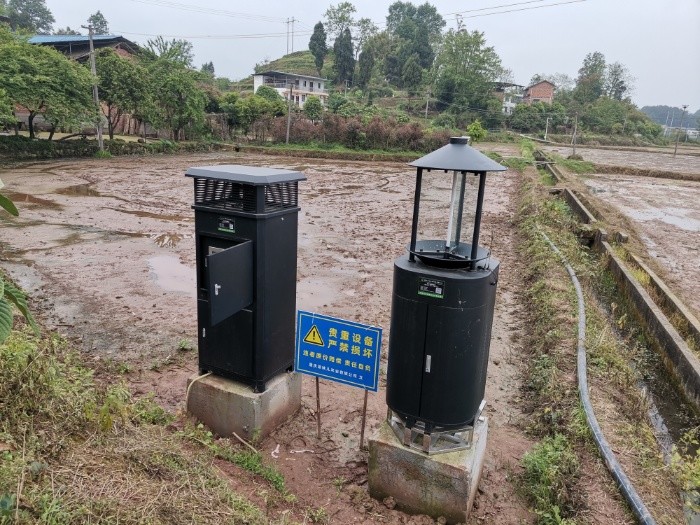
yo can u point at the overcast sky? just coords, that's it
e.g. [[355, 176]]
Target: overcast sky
[[658, 41]]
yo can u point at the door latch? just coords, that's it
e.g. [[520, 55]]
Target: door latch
[[428, 360], [217, 287]]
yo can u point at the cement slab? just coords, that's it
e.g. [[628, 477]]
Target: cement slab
[[226, 406], [437, 485]]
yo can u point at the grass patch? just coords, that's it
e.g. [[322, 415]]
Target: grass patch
[[580, 167], [75, 451], [550, 471]]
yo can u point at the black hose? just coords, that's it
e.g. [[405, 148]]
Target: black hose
[[630, 494]]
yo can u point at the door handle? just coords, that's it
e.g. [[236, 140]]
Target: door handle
[[217, 287]]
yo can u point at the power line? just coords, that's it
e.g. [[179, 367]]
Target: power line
[[526, 8], [494, 7], [210, 10]]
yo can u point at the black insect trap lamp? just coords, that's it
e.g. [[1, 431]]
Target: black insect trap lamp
[[442, 311]]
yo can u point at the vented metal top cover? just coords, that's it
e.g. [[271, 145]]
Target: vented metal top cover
[[457, 156], [253, 175]]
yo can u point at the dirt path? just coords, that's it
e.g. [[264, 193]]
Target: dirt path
[[106, 251]]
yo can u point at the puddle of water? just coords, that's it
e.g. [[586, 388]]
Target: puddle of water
[[24, 198], [172, 276], [684, 223], [79, 190], [168, 240]]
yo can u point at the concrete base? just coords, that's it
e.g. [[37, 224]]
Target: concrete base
[[438, 485], [226, 406]]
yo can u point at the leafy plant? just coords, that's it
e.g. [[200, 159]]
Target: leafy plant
[[9, 293]]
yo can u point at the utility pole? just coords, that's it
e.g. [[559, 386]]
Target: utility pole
[[427, 99], [678, 135], [573, 140], [287, 36], [546, 128], [293, 20], [95, 95], [289, 112]]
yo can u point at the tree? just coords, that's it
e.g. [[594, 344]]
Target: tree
[[591, 78], [313, 109], [208, 69], [179, 102], [66, 31], [45, 82], [98, 23], [318, 47], [476, 131], [411, 73], [366, 29], [122, 86], [277, 104], [31, 15], [339, 18], [618, 81], [178, 52], [7, 115], [364, 68], [465, 70], [344, 58]]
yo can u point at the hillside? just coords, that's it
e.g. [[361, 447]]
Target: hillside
[[659, 114], [299, 62]]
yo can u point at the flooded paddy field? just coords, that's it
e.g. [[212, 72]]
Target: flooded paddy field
[[105, 249]]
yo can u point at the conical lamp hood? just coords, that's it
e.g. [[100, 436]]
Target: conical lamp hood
[[457, 156]]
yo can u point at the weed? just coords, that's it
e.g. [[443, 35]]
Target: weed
[[103, 154], [145, 410], [318, 515], [580, 167], [550, 472], [185, 345]]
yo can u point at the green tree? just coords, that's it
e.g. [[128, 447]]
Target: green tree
[[590, 83], [313, 109], [318, 47], [30, 15], [45, 82], [277, 105], [365, 29], [177, 52], [412, 73], [208, 69], [99, 23], [122, 86], [618, 81], [339, 18], [465, 70], [476, 131], [7, 115], [344, 58], [424, 16], [365, 66], [66, 31]]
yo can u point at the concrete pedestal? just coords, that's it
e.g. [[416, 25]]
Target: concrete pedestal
[[226, 406], [438, 485]]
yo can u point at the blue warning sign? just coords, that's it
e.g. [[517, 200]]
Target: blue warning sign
[[339, 350]]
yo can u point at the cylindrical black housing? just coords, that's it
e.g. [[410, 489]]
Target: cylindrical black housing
[[246, 242], [439, 346]]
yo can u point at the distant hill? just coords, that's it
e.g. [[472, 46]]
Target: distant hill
[[665, 114]]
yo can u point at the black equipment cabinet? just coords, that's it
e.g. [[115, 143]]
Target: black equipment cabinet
[[246, 223], [440, 334], [442, 306]]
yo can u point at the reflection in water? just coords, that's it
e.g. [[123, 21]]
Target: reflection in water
[[171, 275]]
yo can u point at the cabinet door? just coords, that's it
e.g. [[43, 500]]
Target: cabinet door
[[229, 280]]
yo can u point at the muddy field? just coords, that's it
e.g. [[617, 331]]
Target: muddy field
[[650, 160], [106, 250]]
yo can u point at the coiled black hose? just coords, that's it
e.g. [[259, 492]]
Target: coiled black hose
[[630, 494]]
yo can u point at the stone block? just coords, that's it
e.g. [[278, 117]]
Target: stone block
[[226, 406], [437, 485]]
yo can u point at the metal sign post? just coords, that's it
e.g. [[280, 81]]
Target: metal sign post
[[339, 350]]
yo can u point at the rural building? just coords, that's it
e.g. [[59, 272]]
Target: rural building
[[542, 91], [299, 86], [509, 94], [77, 47]]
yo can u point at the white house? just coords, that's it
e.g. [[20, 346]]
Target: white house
[[299, 87]]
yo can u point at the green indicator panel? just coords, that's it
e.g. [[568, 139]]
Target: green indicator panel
[[227, 225], [431, 288]]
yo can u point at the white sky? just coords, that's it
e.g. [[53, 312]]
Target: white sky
[[658, 41]]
